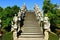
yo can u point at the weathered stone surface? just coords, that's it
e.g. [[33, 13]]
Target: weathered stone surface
[[31, 30]]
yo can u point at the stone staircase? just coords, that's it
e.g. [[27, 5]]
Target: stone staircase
[[31, 29]]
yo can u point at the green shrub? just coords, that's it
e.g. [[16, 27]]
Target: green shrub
[[53, 36], [7, 36]]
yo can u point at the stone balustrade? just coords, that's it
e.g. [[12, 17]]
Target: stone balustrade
[[15, 24], [40, 17], [38, 13]]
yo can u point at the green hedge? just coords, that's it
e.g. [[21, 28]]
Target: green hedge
[[7, 36], [53, 36]]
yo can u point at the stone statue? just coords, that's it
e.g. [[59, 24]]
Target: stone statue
[[19, 15], [23, 10], [19, 19], [38, 15], [41, 15], [15, 19], [14, 27], [46, 23], [46, 27], [14, 30]]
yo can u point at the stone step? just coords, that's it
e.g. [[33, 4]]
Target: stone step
[[31, 30], [31, 27], [31, 34], [31, 24], [30, 38]]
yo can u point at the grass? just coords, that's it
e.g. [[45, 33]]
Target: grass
[[53, 36], [7, 36]]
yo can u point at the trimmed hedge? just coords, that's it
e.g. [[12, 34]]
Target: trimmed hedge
[[53, 36], [7, 36]]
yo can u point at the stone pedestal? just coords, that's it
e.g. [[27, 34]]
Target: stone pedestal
[[46, 35], [19, 26], [14, 35]]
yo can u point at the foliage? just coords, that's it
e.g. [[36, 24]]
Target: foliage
[[53, 36], [7, 14], [7, 36], [53, 14], [16, 8], [1, 9]]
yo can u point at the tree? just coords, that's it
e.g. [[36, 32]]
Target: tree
[[46, 5], [16, 9], [53, 13], [7, 15], [1, 9], [58, 18]]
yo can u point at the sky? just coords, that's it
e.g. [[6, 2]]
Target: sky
[[29, 3]]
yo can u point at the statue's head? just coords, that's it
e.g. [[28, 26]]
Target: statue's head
[[15, 14]]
